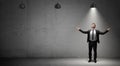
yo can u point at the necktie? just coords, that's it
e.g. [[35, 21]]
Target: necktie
[[92, 34]]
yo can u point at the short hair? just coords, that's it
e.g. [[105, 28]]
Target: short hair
[[94, 24]]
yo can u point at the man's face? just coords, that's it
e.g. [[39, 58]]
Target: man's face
[[93, 25]]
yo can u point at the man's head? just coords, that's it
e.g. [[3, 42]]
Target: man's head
[[93, 25]]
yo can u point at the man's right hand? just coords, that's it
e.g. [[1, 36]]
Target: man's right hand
[[78, 28]]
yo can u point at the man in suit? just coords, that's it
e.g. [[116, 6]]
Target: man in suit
[[93, 39]]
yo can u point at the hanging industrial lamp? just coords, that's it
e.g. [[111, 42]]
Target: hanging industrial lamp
[[93, 5], [57, 5], [22, 5]]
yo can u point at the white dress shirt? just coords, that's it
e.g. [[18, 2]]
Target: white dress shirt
[[93, 35]]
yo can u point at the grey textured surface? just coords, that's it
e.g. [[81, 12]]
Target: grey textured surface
[[40, 30]]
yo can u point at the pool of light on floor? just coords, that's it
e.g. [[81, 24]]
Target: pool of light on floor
[[85, 62]]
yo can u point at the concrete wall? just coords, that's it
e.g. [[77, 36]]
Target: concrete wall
[[40, 30]]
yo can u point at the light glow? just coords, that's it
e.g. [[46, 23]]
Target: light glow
[[93, 16]]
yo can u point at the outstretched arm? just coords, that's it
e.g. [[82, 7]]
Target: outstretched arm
[[102, 33], [85, 32]]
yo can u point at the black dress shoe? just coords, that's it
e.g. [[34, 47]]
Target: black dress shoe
[[95, 61], [89, 60]]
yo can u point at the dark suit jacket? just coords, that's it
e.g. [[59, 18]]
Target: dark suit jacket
[[97, 34]]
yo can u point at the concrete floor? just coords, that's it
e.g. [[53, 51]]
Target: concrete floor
[[58, 62]]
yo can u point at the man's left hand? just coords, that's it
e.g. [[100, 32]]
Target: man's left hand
[[108, 29]]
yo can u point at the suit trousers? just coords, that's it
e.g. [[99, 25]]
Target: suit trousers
[[92, 45]]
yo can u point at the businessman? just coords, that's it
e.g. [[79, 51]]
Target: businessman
[[93, 39]]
